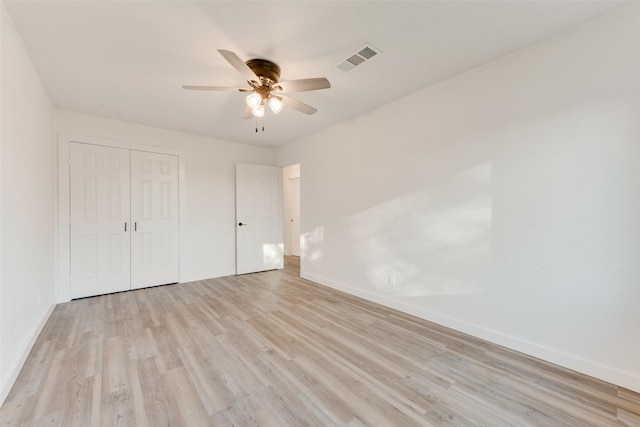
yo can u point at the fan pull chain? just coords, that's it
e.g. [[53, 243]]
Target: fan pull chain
[[257, 124]]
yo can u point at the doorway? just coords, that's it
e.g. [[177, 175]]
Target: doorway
[[292, 223]]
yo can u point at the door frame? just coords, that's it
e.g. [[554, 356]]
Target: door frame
[[62, 231]]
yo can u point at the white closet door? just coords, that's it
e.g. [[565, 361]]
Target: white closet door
[[259, 241], [155, 242], [99, 220]]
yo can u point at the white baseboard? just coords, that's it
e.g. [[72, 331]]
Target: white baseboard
[[569, 361], [10, 379]]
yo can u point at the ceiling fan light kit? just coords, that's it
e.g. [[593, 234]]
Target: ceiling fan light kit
[[258, 111], [275, 104], [253, 100], [265, 88]]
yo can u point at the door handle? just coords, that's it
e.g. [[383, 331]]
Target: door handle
[[241, 224], [135, 226], [125, 226]]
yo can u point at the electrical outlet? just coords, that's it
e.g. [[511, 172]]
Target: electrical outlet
[[391, 281]]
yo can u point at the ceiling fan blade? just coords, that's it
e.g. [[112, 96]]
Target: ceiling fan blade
[[303, 85], [217, 88], [294, 104], [239, 65], [247, 114]]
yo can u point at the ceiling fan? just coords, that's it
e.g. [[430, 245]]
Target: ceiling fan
[[265, 88]]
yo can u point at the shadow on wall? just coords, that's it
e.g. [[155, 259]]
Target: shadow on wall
[[436, 242]]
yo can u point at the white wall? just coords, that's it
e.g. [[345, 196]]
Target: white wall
[[26, 205], [503, 202], [207, 227]]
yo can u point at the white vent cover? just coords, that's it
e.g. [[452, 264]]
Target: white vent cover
[[359, 57]]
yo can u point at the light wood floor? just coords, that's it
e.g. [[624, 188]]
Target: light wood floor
[[271, 349]]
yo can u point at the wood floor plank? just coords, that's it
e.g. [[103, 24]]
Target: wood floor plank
[[272, 349], [160, 407]]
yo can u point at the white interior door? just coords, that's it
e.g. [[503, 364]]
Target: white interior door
[[259, 242], [294, 222], [99, 220], [154, 212]]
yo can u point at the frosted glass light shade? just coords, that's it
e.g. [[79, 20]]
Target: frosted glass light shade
[[253, 100], [275, 104], [258, 111]]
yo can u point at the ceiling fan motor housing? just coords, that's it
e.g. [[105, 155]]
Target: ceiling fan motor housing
[[265, 69]]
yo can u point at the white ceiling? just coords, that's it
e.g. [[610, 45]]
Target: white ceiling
[[128, 59]]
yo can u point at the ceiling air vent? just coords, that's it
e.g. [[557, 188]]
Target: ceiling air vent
[[362, 55]]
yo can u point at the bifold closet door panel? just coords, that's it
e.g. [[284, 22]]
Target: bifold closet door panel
[[99, 220], [155, 245]]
